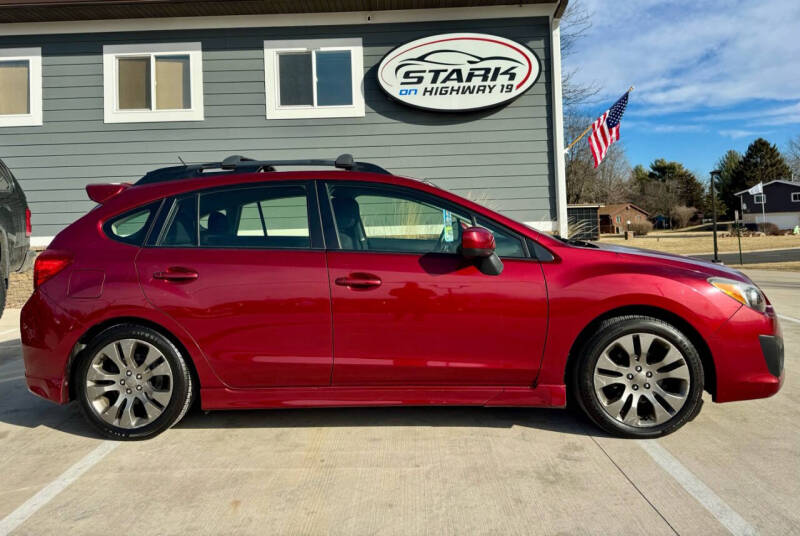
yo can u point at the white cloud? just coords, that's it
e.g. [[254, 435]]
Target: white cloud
[[684, 55], [736, 134]]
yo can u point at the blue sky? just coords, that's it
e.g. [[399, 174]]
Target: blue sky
[[709, 76]]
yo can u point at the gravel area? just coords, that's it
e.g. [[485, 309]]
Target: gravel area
[[20, 288]]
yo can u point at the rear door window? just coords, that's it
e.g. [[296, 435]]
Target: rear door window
[[265, 217]]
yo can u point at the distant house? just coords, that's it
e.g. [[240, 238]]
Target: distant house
[[780, 202], [584, 221], [615, 218]]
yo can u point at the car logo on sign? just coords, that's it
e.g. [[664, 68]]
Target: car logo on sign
[[458, 72]]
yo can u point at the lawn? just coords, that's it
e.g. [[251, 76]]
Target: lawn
[[690, 243]]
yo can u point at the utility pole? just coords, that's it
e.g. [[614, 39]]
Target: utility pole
[[714, 175]]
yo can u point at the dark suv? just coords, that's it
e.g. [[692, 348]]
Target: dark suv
[[15, 230]]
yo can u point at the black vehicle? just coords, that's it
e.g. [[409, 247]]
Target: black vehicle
[[15, 230]]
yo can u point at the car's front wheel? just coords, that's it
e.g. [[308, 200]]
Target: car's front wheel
[[639, 376], [133, 383]]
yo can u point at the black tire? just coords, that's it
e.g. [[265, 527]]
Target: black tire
[[183, 389], [582, 384], [3, 286]]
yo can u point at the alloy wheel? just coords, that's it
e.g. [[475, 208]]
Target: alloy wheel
[[641, 380], [129, 383]]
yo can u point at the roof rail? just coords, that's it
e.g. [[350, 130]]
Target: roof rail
[[242, 164]]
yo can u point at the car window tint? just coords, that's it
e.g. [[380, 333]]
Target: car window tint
[[261, 217], [385, 219], [181, 230], [132, 226], [506, 244]]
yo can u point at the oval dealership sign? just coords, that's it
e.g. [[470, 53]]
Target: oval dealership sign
[[458, 72]]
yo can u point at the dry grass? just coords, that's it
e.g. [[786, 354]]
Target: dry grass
[[790, 266], [703, 242]]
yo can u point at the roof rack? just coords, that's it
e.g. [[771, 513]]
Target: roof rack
[[242, 164]]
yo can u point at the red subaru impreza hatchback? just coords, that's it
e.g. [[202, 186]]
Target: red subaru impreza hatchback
[[254, 288]]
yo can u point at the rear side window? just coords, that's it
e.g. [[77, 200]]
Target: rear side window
[[267, 217], [132, 227]]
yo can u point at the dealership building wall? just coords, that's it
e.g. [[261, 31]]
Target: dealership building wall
[[508, 157]]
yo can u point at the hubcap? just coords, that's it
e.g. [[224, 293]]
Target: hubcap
[[129, 383], [641, 380]]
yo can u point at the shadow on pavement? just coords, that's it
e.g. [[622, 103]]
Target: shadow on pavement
[[555, 420], [18, 407]]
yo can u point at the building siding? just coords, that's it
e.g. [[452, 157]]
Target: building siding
[[502, 157], [778, 198]]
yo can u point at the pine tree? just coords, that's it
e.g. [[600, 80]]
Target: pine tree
[[727, 166], [761, 163]]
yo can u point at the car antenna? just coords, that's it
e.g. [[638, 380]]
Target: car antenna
[[181, 159]]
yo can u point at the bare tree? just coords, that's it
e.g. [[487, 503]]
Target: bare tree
[[682, 214], [575, 25], [793, 157], [587, 184]]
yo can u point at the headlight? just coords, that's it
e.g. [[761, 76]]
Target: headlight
[[744, 293]]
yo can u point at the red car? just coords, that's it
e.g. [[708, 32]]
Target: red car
[[254, 288]]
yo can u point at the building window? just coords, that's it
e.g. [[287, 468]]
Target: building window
[[314, 78], [619, 219], [795, 197], [148, 83], [758, 199], [20, 87]]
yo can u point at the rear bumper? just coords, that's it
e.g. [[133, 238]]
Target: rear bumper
[[48, 335], [748, 356]]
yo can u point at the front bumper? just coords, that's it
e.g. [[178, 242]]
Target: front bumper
[[748, 356]]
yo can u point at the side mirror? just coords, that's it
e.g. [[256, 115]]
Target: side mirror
[[477, 243]]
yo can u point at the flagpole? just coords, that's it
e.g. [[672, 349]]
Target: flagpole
[[576, 140]]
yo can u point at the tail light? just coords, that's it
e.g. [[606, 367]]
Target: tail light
[[28, 226], [48, 264]]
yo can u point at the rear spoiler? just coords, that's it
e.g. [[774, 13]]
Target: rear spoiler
[[100, 193]]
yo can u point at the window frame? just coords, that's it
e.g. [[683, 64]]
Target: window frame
[[797, 199], [111, 55], [156, 208], [161, 226], [756, 198], [273, 48], [332, 232], [34, 117]]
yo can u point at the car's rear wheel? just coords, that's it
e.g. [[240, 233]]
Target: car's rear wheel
[[639, 376], [133, 383]]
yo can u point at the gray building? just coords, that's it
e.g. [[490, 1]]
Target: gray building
[[779, 203], [96, 91]]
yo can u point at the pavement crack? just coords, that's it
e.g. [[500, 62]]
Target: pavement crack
[[653, 506]]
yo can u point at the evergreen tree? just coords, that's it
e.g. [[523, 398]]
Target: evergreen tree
[[727, 166], [690, 190], [761, 163]]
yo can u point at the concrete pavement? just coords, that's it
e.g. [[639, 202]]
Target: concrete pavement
[[735, 469], [754, 257]]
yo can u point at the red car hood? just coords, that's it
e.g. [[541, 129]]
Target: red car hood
[[705, 267]]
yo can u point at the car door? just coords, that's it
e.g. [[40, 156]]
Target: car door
[[409, 309], [243, 270]]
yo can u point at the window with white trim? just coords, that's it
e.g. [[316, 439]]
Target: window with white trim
[[795, 197], [314, 78], [20, 87], [758, 199], [153, 82]]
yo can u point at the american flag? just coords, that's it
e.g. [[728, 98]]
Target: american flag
[[605, 130]]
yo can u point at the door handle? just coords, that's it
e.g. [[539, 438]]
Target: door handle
[[177, 274], [359, 281]]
